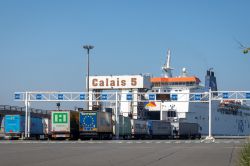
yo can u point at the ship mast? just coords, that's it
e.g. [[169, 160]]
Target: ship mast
[[166, 67]]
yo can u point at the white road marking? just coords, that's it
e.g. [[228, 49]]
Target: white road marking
[[127, 142]]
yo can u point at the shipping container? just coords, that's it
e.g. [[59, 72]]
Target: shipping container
[[15, 126], [124, 127], [139, 128], [185, 130], [95, 124], [159, 128], [64, 124]]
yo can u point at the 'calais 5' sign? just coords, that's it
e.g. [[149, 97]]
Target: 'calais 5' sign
[[119, 82]]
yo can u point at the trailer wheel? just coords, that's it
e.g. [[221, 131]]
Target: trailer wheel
[[110, 136]]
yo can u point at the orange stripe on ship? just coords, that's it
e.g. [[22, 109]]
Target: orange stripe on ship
[[175, 79]]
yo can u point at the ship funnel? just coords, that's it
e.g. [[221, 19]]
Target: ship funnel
[[166, 68], [210, 81]]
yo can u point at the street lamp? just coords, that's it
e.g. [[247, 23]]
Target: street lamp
[[88, 47]]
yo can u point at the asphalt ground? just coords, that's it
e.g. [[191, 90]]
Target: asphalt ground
[[121, 153]]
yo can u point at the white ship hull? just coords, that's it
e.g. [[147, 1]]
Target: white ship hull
[[223, 124]]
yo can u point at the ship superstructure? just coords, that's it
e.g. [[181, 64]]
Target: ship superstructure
[[228, 117]]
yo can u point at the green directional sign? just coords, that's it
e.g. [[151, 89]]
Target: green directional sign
[[60, 117]]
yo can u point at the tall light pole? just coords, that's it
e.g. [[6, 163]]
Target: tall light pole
[[88, 47]]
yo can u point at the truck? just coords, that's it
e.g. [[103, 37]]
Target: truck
[[14, 127], [2, 135], [184, 130], [95, 125], [139, 129], [124, 127], [159, 129], [64, 124]]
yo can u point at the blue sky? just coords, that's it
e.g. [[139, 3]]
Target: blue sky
[[41, 41]]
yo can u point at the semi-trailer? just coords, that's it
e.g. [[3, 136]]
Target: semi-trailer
[[2, 135], [95, 124], [139, 129], [159, 129], [64, 124], [184, 130], [124, 127], [14, 127]]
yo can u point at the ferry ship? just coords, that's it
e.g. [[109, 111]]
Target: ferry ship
[[229, 117]]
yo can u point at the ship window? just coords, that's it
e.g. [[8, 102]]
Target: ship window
[[157, 90], [163, 97], [152, 90], [165, 90], [171, 114]]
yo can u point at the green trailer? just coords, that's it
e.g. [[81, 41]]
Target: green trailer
[[124, 127]]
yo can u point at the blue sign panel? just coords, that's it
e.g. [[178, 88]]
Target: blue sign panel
[[174, 97], [197, 97], [88, 121], [82, 96], [104, 97], [129, 96], [225, 95], [151, 97], [248, 95], [17, 96], [60, 97], [38, 96]]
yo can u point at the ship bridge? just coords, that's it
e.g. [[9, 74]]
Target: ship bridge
[[163, 82]]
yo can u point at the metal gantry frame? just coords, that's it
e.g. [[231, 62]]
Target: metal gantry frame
[[115, 97]]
